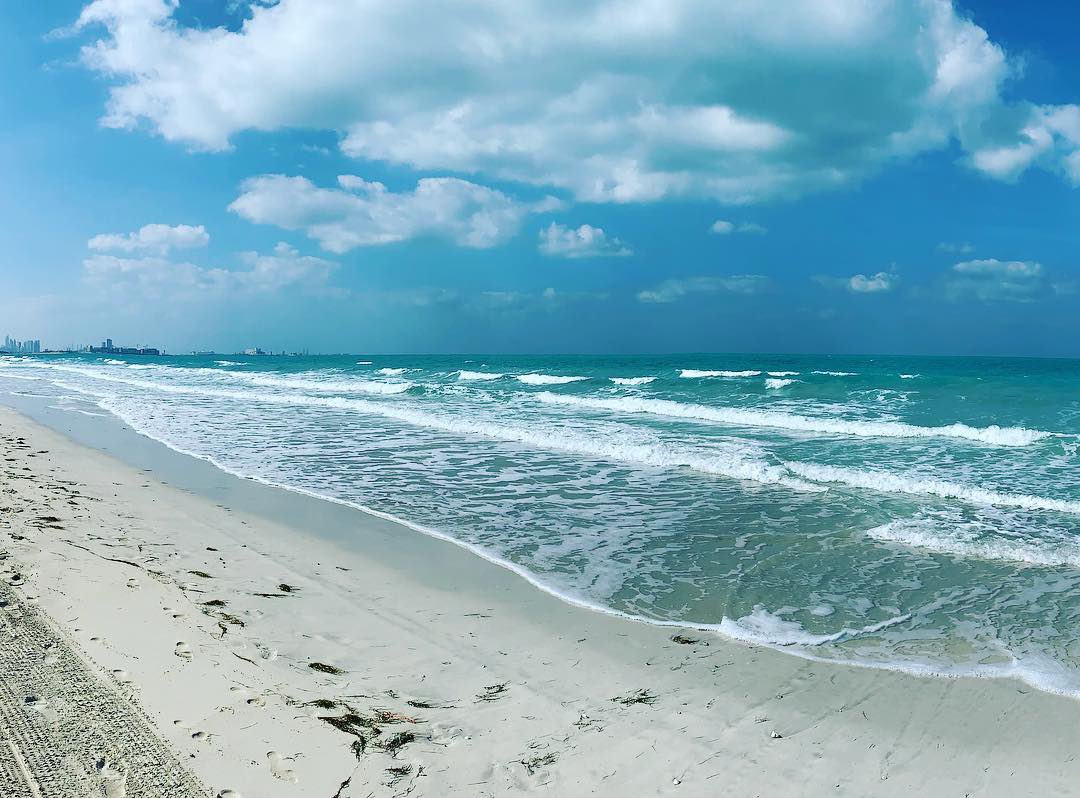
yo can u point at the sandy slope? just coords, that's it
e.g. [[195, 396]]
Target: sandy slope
[[440, 674]]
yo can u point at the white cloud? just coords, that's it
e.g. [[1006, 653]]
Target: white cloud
[[610, 100], [673, 290], [879, 283], [1046, 136], [723, 227], [584, 242], [362, 213], [159, 238], [158, 278], [992, 280]]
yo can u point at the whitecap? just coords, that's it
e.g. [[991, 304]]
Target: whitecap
[[836, 373], [696, 373], [392, 372], [482, 376], [632, 380], [908, 376], [782, 373], [927, 486], [964, 541], [547, 379], [749, 417], [774, 383]]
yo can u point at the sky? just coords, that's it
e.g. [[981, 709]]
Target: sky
[[589, 176]]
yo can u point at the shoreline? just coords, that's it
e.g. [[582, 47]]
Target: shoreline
[[154, 454], [410, 604]]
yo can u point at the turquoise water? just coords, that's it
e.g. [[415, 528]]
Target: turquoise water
[[912, 513]]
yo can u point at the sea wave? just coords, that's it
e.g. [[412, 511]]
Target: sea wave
[[776, 383], [696, 373], [762, 626], [963, 540], [111, 362], [632, 380], [836, 373], [392, 372], [927, 486], [482, 376], [228, 363], [908, 376], [547, 379], [327, 386], [725, 461], [744, 417], [782, 373]]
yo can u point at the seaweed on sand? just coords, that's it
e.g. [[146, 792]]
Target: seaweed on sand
[[641, 696], [322, 667], [688, 641], [493, 692]]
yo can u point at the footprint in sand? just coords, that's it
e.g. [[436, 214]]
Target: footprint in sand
[[279, 767], [229, 794], [133, 582], [121, 676], [182, 650], [199, 735], [112, 778]]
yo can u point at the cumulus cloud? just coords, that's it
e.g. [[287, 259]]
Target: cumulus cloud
[[723, 227], [154, 277], [992, 280], [609, 100], [584, 242], [674, 290], [360, 213], [1046, 136], [879, 283], [158, 238]]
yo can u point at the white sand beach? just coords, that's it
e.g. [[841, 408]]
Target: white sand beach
[[285, 646]]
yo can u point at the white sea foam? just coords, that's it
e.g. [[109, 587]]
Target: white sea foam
[[112, 362], [392, 372], [696, 373], [908, 376], [726, 461], [782, 373], [775, 383], [927, 486], [762, 626], [482, 376], [963, 540], [836, 373], [363, 362], [547, 379], [632, 380], [229, 363], [327, 386], [748, 417]]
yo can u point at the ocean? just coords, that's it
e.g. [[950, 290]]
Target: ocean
[[919, 514]]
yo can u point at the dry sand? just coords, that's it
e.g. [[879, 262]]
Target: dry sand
[[276, 660]]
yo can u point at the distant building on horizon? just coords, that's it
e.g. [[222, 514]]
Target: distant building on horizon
[[14, 347], [107, 348]]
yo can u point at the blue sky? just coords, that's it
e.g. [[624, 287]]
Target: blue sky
[[542, 177]]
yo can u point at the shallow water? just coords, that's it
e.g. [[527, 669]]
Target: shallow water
[[914, 513]]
